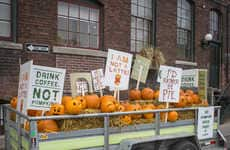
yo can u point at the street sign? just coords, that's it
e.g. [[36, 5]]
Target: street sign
[[37, 47]]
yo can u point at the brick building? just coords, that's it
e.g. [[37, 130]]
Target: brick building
[[79, 32]]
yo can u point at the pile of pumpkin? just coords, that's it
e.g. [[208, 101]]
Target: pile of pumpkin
[[187, 98], [108, 104]]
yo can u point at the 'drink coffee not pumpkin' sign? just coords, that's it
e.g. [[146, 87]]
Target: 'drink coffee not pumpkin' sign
[[45, 86], [170, 83], [118, 68]]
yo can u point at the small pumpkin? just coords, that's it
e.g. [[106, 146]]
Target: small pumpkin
[[120, 108], [195, 99], [148, 115], [108, 104], [47, 126], [204, 103], [34, 113], [182, 93], [73, 107], [156, 94], [82, 100], [189, 92], [125, 104], [65, 99], [134, 94], [189, 100], [13, 102], [172, 116], [134, 107], [162, 114], [147, 94], [93, 101], [57, 109], [126, 119]]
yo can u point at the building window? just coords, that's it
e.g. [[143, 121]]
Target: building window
[[141, 24], [78, 26], [185, 29], [214, 24], [5, 18]]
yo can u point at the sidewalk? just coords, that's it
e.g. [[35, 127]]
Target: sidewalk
[[2, 142]]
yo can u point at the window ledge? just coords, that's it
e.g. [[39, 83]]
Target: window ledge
[[187, 63], [10, 45], [79, 51]]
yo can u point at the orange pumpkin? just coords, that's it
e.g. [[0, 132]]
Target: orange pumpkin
[[47, 126], [172, 116], [93, 101], [204, 103], [182, 92], [189, 92], [108, 104], [147, 93], [127, 120], [195, 99], [148, 115], [134, 94], [82, 100], [162, 114], [134, 107], [73, 107], [189, 100], [13, 102], [181, 103], [31, 112], [149, 106], [65, 99], [125, 104], [57, 109]]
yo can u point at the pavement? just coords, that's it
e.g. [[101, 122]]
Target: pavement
[[2, 142]]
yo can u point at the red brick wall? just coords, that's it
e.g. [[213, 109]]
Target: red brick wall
[[9, 72]]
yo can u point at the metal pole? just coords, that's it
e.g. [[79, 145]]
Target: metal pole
[[106, 133], [157, 123], [6, 130], [19, 132], [34, 145]]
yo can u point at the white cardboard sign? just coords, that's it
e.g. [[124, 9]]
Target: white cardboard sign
[[44, 86], [189, 78], [118, 68], [205, 122], [98, 79], [170, 84]]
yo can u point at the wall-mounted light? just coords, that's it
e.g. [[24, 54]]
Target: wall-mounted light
[[206, 40]]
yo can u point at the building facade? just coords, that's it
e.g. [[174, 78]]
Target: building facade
[[78, 33]]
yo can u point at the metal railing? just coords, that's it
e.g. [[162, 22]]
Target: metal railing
[[34, 136]]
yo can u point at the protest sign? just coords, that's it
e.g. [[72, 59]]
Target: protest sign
[[118, 68], [205, 122], [189, 78], [170, 84], [81, 83], [98, 79]]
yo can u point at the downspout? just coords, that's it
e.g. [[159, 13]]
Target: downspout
[[227, 40], [154, 25], [14, 20]]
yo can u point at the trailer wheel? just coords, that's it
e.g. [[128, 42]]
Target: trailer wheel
[[185, 145]]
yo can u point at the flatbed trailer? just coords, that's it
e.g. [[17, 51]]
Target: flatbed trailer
[[177, 135]]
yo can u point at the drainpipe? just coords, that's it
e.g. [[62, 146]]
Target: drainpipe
[[227, 39], [154, 26], [14, 20]]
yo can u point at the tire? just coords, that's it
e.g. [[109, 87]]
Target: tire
[[184, 145]]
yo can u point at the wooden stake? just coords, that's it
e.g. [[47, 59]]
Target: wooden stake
[[115, 92], [166, 115], [101, 92], [139, 77], [118, 94]]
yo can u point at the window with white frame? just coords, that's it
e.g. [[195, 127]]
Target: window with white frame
[[141, 24], [185, 29], [78, 25], [5, 18]]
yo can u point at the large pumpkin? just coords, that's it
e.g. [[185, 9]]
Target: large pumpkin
[[134, 94], [73, 107], [182, 102], [82, 100], [57, 109], [65, 99], [147, 93], [134, 107], [108, 103], [13, 102], [93, 101], [47, 126], [172, 116]]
